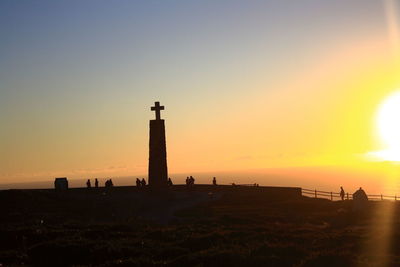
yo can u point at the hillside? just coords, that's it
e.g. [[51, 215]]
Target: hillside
[[204, 226]]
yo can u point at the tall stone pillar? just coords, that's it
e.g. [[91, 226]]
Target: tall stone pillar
[[158, 171]]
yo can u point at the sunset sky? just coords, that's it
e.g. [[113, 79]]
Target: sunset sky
[[245, 84]]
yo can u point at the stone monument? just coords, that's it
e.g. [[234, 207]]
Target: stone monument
[[158, 171]]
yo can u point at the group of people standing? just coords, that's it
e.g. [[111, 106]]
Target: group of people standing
[[89, 185], [140, 183], [190, 181], [109, 183]]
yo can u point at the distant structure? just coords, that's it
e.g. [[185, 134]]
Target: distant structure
[[158, 171], [61, 184]]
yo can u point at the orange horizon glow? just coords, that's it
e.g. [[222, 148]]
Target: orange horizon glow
[[231, 105]]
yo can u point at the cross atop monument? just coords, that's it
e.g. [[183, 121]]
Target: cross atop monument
[[157, 108]]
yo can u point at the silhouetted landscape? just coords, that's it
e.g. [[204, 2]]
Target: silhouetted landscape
[[200, 133], [199, 226]]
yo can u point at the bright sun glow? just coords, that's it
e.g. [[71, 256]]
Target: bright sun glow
[[388, 123]]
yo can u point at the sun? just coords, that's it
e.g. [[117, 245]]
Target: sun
[[388, 120], [388, 125]]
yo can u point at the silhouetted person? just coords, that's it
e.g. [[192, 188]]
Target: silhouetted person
[[88, 185], [342, 193], [214, 181], [138, 183], [360, 200], [111, 183], [96, 183], [170, 182], [107, 183], [143, 182], [191, 181], [187, 181]]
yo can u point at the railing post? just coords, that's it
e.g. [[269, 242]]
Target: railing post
[[331, 197], [347, 196], [315, 193], [381, 197]]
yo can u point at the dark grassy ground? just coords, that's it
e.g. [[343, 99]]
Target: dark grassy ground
[[240, 227]]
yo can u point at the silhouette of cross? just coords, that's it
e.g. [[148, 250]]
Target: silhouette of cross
[[157, 108]]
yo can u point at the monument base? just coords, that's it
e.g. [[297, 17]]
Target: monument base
[[158, 171]]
